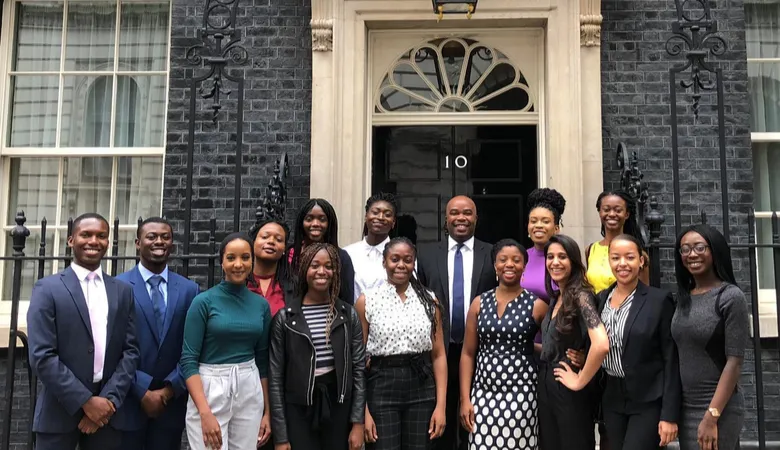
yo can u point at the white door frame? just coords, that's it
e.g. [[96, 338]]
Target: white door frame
[[342, 102]]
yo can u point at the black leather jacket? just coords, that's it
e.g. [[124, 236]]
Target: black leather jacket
[[292, 363]]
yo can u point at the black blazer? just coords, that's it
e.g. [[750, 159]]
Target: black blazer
[[432, 271], [650, 359], [292, 364]]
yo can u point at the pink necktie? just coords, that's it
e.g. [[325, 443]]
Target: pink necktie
[[98, 318]]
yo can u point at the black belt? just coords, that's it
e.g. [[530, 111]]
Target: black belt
[[419, 362]]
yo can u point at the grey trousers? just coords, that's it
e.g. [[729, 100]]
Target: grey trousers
[[235, 396]]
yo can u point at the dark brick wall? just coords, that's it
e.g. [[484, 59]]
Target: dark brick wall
[[636, 110], [20, 418], [277, 114]]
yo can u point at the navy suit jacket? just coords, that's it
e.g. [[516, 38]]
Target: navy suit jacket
[[61, 349], [159, 361]]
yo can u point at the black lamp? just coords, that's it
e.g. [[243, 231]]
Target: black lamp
[[442, 7]]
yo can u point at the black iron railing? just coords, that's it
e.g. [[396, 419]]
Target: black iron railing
[[272, 205], [651, 222]]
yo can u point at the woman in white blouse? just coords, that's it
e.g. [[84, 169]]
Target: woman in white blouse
[[407, 373], [366, 254]]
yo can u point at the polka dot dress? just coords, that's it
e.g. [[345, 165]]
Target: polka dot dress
[[504, 391]]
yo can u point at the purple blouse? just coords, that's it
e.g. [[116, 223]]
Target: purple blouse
[[533, 277]]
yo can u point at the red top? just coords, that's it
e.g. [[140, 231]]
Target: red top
[[274, 296]]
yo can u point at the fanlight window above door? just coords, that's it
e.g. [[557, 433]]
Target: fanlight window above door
[[453, 75]]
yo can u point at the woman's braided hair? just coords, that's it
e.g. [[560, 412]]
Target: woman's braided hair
[[429, 303], [302, 287], [631, 226]]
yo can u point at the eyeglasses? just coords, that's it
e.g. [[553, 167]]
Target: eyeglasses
[[699, 249]]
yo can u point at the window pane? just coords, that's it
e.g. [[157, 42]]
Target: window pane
[[90, 35], [126, 249], [33, 111], [140, 111], [86, 111], [766, 274], [38, 37], [764, 79], [86, 187], [143, 36], [33, 189], [138, 188], [762, 28], [29, 268], [766, 183]]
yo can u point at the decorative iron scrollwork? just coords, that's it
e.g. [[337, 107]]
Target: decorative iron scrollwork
[[220, 44], [694, 37], [632, 181], [274, 204]]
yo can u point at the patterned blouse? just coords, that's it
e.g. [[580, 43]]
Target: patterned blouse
[[615, 322], [396, 327]]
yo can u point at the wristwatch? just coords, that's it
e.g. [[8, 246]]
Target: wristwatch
[[714, 412]]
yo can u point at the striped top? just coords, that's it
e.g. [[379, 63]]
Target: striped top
[[316, 319], [615, 323]]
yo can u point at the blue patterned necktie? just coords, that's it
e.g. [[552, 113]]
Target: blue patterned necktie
[[458, 320], [158, 302]]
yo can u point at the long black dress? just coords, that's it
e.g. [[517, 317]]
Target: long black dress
[[565, 416]]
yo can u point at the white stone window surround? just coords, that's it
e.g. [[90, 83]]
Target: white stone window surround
[[118, 155]]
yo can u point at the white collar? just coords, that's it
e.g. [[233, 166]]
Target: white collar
[[380, 246], [146, 273], [82, 272], [453, 244]]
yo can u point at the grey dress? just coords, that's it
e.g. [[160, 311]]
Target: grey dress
[[706, 334]]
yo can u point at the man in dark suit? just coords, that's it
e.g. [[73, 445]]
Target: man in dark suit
[[82, 346], [456, 270], [152, 417]]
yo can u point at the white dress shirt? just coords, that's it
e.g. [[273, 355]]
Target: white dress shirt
[[97, 302], [468, 267], [146, 274], [367, 261]]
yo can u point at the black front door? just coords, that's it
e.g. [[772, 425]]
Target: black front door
[[425, 166]]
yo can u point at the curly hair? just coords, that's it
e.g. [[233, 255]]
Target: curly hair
[[302, 286], [576, 288], [331, 232], [422, 293], [380, 197], [631, 226], [549, 199]]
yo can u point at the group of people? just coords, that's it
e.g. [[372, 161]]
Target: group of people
[[459, 344]]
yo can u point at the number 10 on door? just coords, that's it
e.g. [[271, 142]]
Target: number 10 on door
[[460, 162]]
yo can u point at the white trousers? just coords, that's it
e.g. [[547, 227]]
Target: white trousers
[[235, 396]]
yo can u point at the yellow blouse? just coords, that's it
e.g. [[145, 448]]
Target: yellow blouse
[[599, 272]]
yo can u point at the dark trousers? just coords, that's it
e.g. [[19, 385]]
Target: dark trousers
[[106, 438], [401, 400], [565, 416], [153, 437], [630, 426], [324, 425], [455, 437]]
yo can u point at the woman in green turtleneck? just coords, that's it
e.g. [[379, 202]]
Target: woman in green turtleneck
[[225, 358]]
